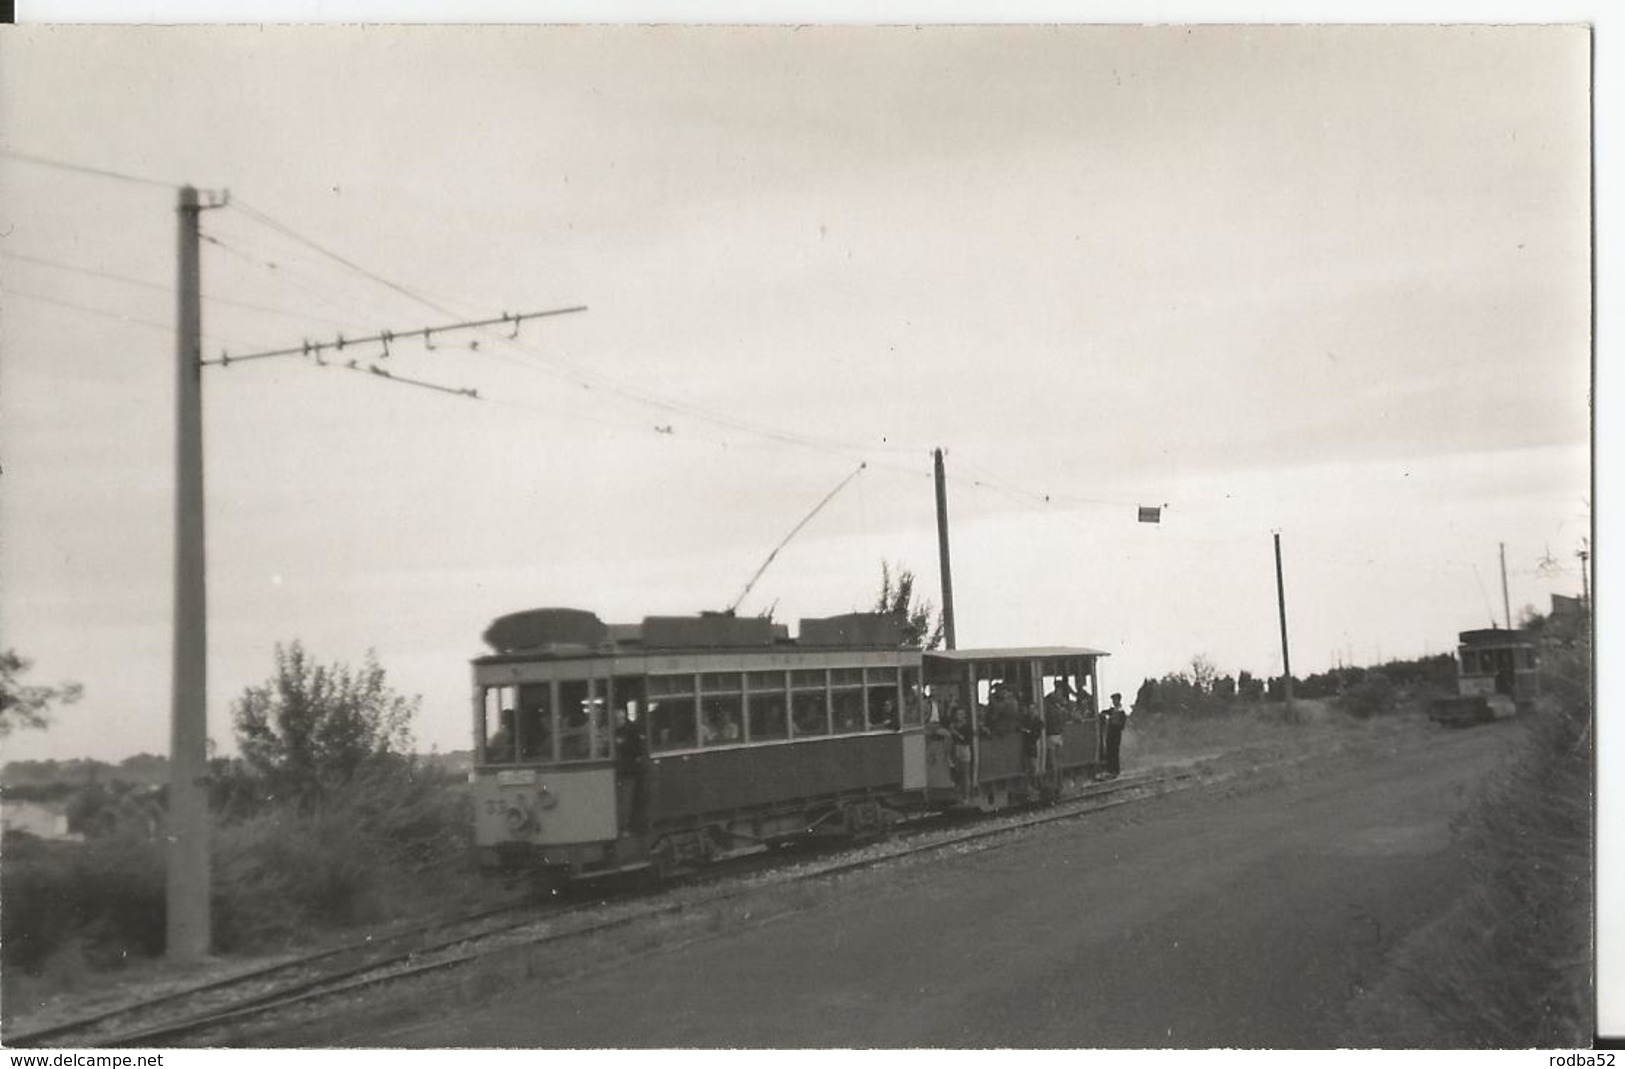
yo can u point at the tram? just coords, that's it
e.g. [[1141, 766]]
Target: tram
[[679, 741], [1497, 676]]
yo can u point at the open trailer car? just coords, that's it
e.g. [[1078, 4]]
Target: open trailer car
[[682, 740]]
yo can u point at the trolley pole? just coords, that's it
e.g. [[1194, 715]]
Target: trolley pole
[[1506, 602], [942, 552], [1280, 600], [187, 927]]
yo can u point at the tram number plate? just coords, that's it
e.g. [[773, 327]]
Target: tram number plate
[[522, 777]]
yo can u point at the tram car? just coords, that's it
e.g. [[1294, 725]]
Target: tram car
[[679, 741], [1497, 676]]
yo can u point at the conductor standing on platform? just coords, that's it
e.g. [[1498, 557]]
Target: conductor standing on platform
[[1115, 717]]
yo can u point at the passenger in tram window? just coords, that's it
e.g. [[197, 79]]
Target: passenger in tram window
[[574, 743], [885, 718], [848, 712], [720, 727], [499, 747], [536, 742], [1031, 723], [1056, 715], [1003, 710]]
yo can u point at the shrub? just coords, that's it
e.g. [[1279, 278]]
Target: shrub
[[390, 842], [108, 894], [1373, 695]]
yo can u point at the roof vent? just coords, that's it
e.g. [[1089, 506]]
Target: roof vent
[[876, 629], [540, 628], [708, 631]]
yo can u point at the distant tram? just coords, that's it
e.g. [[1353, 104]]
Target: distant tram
[[1497, 676], [683, 740]]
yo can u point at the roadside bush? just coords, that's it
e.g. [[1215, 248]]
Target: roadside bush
[[107, 894], [389, 843], [393, 842], [1374, 695]]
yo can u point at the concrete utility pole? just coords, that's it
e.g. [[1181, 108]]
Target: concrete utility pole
[[1280, 599], [942, 553], [187, 929]]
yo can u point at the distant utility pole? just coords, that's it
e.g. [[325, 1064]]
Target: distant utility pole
[[1280, 599], [1506, 602], [942, 552], [187, 934], [1585, 580]]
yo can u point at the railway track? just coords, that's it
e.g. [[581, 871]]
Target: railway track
[[195, 1014]]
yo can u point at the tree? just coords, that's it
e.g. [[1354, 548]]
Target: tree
[[1203, 674], [913, 617], [24, 706], [314, 727]]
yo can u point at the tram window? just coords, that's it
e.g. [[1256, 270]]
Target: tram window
[[881, 698], [1063, 696], [583, 722], [767, 719], [809, 711], [497, 725], [722, 709], [913, 700], [723, 720], [671, 724], [848, 702], [535, 722], [672, 721]]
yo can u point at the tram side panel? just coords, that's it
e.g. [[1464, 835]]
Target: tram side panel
[[1080, 744], [754, 777]]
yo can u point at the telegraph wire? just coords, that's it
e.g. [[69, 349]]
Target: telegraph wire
[[99, 172], [167, 328], [284, 272], [266, 220], [160, 287], [136, 321]]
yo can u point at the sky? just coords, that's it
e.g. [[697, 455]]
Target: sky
[[1331, 282]]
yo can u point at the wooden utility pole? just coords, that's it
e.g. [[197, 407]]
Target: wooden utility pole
[[1280, 599], [1506, 602], [187, 902], [942, 553]]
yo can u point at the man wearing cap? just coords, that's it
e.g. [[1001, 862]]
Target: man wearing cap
[[1114, 717]]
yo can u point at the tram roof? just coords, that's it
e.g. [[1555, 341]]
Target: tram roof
[[1015, 653]]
